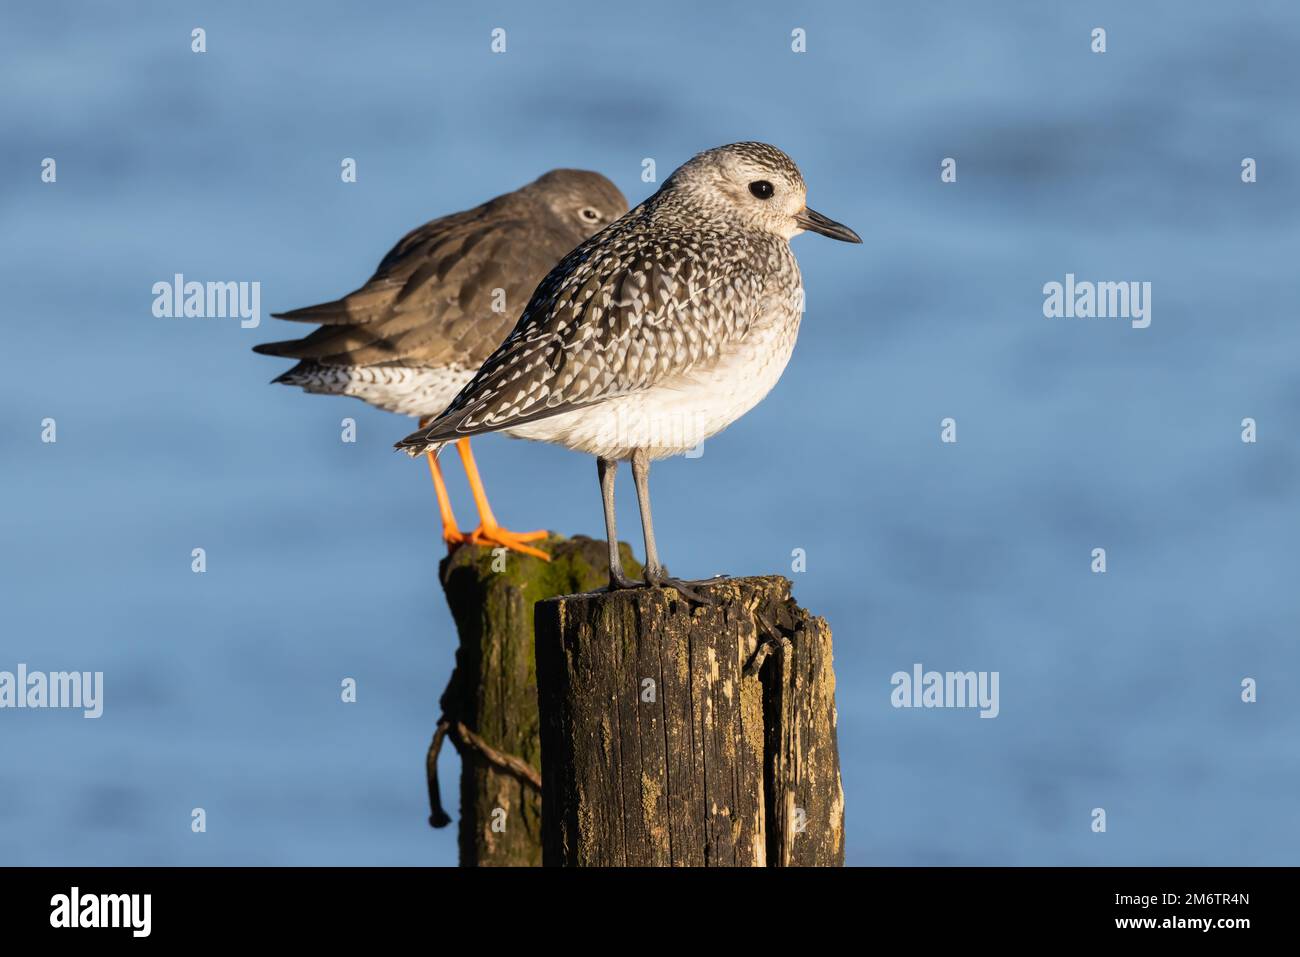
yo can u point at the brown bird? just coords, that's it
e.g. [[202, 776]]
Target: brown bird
[[438, 305]]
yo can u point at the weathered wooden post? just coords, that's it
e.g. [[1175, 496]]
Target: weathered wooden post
[[489, 709], [680, 734]]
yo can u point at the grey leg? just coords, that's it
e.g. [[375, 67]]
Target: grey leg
[[655, 573], [641, 475], [607, 469]]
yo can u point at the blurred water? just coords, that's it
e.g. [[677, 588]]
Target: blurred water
[[1117, 691]]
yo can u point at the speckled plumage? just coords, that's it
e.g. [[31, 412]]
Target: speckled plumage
[[657, 332], [412, 336]]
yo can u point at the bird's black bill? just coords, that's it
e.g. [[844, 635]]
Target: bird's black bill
[[815, 222]]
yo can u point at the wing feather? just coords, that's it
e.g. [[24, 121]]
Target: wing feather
[[433, 299], [625, 311]]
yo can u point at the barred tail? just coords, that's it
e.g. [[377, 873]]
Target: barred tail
[[429, 437]]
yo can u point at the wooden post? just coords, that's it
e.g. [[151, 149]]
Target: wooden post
[[489, 710], [675, 734]]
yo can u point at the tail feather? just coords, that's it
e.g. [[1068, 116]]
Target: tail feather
[[287, 349], [432, 438], [296, 375], [450, 426], [334, 313]]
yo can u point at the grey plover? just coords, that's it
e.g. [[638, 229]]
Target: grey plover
[[439, 303], [656, 333]]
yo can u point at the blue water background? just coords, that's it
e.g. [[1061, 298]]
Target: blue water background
[[1119, 691]]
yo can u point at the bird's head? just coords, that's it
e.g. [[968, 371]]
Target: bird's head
[[756, 185], [582, 201]]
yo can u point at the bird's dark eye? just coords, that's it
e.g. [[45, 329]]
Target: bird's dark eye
[[590, 214], [762, 189]]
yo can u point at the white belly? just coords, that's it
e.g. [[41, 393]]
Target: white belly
[[401, 389], [678, 415]]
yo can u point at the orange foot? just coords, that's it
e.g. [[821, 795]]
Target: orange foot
[[496, 536], [454, 538]]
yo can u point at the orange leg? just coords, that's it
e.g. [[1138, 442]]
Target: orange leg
[[488, 531], [451, 533]]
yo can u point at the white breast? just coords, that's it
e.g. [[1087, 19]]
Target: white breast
[[679, 414]]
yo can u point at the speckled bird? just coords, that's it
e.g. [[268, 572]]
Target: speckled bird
[[439, 303], [655, 334]]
